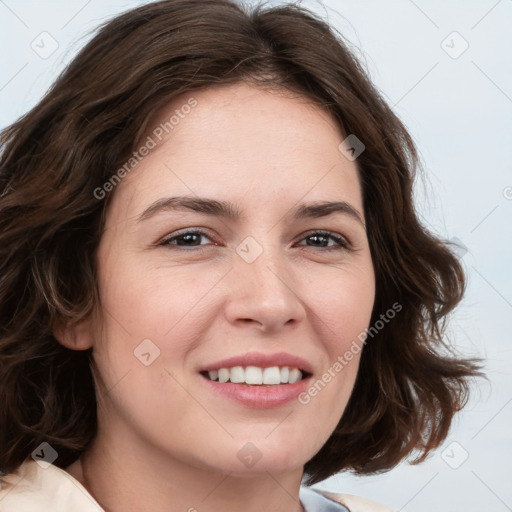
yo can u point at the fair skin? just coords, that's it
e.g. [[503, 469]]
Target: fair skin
[[167, 441]]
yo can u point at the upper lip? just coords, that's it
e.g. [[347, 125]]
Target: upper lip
[[262, 360]]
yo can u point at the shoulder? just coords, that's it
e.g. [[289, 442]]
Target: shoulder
[[33, 487], [356, 503]]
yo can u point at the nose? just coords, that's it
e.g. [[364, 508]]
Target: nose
[[264, 294]]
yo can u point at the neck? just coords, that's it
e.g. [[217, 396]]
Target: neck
[[135, 478]]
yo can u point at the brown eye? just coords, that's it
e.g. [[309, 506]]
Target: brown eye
[[321, 238], [190, 239]]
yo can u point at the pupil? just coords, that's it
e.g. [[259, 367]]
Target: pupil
[[317, 238], [188, 237]]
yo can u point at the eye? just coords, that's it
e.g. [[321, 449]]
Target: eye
[[320, 238], [190, 239]]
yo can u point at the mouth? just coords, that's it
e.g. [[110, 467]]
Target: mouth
[[257, 376], [258, 380]]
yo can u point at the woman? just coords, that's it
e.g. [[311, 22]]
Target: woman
[[214, 283]]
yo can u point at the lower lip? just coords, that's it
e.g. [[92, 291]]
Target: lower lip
[[259, 397]]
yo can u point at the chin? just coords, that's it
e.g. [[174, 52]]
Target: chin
[[274, 454]]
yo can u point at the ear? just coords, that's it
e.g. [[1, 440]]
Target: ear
[[75, 336]]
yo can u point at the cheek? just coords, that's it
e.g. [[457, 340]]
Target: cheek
[[345, 306], [344, 314], [163, 312], [151, 301]]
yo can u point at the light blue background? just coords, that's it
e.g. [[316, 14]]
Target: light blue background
[[459, 112]]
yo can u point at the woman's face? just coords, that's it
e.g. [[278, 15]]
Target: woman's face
[[256, 288]]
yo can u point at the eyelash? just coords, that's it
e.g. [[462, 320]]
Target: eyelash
[[343, 243]]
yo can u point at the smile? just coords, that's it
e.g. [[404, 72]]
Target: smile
[[258, 380], [257, 376]]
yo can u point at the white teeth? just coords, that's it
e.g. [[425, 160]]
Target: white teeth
[[237, 375], [272, 375], [223, 375], [295, 375], [253, 375]]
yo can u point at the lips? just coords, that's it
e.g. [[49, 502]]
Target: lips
[[262, 381]]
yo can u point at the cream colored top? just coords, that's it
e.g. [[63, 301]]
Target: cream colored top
[[32, 488]]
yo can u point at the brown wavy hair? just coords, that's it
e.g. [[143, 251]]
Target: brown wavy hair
[[410, 384]]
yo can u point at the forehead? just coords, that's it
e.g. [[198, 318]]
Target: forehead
[[243, 142], [241, 110]]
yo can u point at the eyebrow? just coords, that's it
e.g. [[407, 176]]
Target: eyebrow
[[228, 210]]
